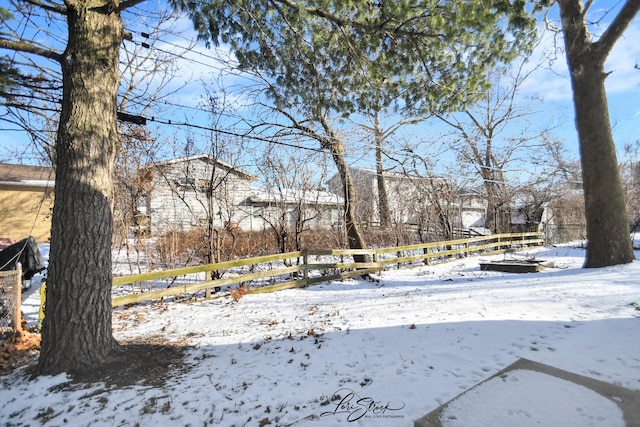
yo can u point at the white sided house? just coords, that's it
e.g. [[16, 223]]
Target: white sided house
[[530, 215], [412, 199], [188, 193], [295, 208]]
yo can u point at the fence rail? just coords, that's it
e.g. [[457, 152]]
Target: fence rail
[[307, 267]]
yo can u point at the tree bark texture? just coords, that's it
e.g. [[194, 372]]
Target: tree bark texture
[[608, 241], [77, 330]]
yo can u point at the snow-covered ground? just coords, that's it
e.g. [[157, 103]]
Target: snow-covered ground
[[392, 349]]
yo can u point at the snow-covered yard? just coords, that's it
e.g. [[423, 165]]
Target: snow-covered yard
[[380, 352]]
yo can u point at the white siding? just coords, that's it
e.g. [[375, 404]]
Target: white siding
[[178, 199], [179, 195]]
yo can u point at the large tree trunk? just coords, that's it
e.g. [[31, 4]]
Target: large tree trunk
[[605, 210], [607, 224], [77, 331]]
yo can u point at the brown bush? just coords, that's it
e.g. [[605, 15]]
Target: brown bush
[[181, 248], [238, 292]]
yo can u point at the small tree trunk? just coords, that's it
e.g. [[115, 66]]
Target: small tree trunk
[[383, 198], [498, 216], [355, 239], [354, 236], [608, 231], [77, 330]]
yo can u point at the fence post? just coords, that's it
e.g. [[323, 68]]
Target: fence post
[[376, 259], [43, 300], [17, 312], [305, 267]]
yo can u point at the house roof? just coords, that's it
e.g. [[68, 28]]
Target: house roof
[[373, 172], [401, 176], [210, 159], [26, 175]]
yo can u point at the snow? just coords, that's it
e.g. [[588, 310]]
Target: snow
[[381, 352]]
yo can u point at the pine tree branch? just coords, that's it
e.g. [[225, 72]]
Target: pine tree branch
[[381, 27]]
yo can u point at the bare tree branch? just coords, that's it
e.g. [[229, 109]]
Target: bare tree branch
[[48, 6], [617, 27], [29, 48]]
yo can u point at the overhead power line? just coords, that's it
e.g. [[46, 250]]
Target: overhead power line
[[196, 52], [147, 45], [141, 120]]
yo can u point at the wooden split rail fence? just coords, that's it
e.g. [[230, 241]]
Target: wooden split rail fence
[[303, 268]]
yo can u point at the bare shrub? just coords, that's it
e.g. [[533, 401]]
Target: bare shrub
[[182, 248]]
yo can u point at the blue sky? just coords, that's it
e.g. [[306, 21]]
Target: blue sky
[[550, 83], [622, 85]]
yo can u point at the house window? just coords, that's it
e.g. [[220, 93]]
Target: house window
[[186, 182]]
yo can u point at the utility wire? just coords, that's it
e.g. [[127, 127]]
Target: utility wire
[[200, 127], [194, 126], [195, 61], [229, 133]]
